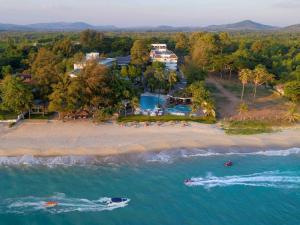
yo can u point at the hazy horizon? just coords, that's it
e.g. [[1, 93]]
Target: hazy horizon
[[127, 13]]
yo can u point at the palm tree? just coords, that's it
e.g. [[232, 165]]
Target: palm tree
[[261, 76], [172, 79], [244, 76], [209, 108], [135, 103], [159, 74]]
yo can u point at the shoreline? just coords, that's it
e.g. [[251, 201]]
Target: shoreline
[[83, 138]]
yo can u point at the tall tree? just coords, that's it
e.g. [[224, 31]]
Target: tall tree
[[245, 76], [59, 96], [182, 44], [91, 40], [64, 48], [45, 69], [96, 84], [139, 53], [201, 98], [292, 91], [203, 50], [260, 77], [16, 96], [172, 79]]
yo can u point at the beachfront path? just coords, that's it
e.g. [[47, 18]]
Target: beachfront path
[[85, 138]]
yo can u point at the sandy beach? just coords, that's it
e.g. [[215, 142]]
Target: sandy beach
[[85, 138]]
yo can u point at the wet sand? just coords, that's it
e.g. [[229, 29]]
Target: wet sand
[[85, 138]]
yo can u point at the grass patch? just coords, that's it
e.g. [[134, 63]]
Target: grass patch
[[248, 127], [166, 118], [4, 115], [212, 88], [40, 116], [236, 89]]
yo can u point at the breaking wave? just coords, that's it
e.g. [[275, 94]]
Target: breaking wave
[[168, 156], [171, 156], [274, 179], [33, 204]]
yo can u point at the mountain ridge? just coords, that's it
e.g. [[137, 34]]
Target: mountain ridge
[[246, 25]]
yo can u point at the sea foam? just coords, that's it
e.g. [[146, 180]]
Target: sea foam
[[168, 156]]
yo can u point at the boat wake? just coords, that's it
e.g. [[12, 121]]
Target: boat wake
[[273, 179], [64, 205]]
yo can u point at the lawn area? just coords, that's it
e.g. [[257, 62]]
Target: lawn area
[[40, 116], [212, 88], [247, 127], [236, 89], [166, 118], [4, 115]]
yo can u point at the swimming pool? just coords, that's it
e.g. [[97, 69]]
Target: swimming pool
[[179, 109], [151, 102]]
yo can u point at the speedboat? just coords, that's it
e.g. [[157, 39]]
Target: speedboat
[[117, 201], [50, 204], [228, 164]]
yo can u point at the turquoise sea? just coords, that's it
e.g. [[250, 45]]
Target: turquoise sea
[[261, 188]]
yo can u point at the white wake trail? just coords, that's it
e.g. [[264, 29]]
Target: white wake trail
[[274, 179], [33, 204]]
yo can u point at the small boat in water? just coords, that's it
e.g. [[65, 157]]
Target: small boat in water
[[50, 204], [228, 164], [188, 181], [117, 201]]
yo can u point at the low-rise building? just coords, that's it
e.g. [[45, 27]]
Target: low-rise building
[[160, 53], [108, 62], [123, 60]]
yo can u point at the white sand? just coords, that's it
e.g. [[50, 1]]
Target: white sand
[[85, 138]]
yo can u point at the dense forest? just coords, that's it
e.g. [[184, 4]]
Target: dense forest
[[258, 58]]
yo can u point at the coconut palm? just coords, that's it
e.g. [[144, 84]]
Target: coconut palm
[[245, 76], [135, 103], [261, 76], [209, 108], [172, 79]]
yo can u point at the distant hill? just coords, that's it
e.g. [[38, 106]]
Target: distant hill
[[59, 26], [246, 25], [293, 28]]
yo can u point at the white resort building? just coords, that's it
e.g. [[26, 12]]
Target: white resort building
[[94, 56], [108, 62], [160, 53]]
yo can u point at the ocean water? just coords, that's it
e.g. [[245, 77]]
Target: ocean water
[[261, 188]]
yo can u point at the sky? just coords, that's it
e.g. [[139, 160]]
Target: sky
[[127, 13]]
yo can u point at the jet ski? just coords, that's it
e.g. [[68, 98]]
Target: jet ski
[[117, 201], [188, 181], [50, 204], [228, 164]]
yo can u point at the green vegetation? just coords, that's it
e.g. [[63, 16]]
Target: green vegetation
[[255, 59], [4, 115], [47, 116], [15, 95], [247, 127], [166, 118]]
